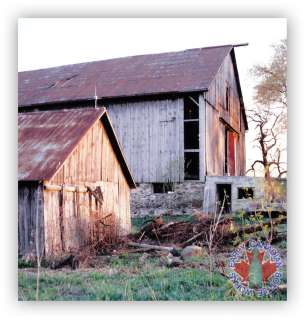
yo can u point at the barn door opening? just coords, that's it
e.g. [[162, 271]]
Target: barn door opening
[[224, 196], [230, 152]]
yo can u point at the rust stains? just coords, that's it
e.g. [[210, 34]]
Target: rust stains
[[46, 139]]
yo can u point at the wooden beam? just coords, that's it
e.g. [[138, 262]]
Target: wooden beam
[[68, 188]]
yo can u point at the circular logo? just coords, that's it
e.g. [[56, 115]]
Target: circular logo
[[254, 268]]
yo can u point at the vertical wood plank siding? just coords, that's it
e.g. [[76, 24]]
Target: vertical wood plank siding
[[72, 218], [30, 203], [151, 134], [215, 108]]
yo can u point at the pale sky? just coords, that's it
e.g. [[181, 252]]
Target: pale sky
[[46, 43]]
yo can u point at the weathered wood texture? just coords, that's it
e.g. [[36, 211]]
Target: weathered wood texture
[[152, 136], [215, 129], [72, 215], [30, 204], [74, 219]]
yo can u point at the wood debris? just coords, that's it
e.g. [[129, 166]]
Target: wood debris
[[185, 233]]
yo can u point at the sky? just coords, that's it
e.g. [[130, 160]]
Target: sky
[[44, 43]]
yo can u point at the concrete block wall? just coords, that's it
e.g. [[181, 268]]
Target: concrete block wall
[[261, 199]]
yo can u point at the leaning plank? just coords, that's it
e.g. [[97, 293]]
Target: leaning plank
[[150, 246]]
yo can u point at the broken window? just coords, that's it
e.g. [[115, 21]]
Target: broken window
[[191, 107], [245, 193], [191, 137], [163, 187], [191, 134], [191, 165]]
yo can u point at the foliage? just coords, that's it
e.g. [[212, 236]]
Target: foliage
[[272, 86], [270, 114]]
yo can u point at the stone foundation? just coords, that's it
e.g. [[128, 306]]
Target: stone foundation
[[270, 194], [186, 197]]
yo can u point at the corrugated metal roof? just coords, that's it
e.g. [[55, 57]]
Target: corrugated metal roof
[[183, 71], [46, 139]]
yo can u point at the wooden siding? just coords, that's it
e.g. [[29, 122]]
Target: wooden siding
[[30, 203], [92, 162], [74, 219], [72, 216], [151, 134], [215, 131]]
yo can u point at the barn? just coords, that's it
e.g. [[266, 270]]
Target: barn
[[179, 116], [73, 181]]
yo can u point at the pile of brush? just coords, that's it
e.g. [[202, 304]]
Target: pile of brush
[[202, 228], [185, 232]]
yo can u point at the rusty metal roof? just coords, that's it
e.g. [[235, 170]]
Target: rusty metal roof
[[183, 71], [46, 139]]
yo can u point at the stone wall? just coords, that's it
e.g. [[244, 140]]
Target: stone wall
[[270, 194], [186, 197], [194, 195]]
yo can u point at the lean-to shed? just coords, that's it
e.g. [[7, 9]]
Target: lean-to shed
[[73, 180]]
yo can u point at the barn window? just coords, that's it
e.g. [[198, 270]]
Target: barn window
[[227, 98], [191, 107], [163, 187], [245, 193], [191, 134], [191, 165], [191, 137]]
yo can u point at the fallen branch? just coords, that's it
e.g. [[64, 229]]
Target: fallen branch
[[193, 238], [150, 246]]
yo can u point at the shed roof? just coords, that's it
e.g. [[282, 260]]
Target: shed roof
[[46, 139], [172, 72]]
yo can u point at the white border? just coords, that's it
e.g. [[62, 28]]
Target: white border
[[295, 307]]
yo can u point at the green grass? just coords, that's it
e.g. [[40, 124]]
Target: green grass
[[130, 277], [126, 277], [161, 284]]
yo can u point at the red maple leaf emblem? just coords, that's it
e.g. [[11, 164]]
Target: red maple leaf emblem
[[242, 267]]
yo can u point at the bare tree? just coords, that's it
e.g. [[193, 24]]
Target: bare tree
[[268, 134]]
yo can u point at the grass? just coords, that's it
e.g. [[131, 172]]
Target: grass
[[132, 277], [127, 277], [160, 284]]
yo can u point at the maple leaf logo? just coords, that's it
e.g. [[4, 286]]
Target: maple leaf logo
[[254, 270]]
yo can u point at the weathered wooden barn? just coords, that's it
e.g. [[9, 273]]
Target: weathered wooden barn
[[74, 182], [179, 117]]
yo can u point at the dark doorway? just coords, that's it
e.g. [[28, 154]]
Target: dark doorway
[[191, 165], [224, 197]]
